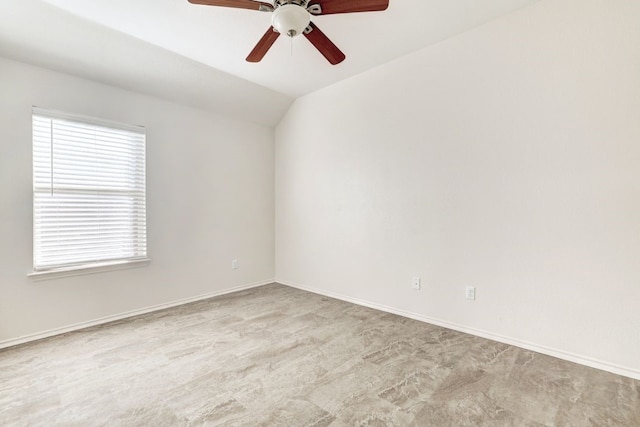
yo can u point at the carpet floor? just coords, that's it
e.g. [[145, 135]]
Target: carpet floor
[[278, 356]]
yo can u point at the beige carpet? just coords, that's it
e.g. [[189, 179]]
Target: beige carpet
[[277, 356]]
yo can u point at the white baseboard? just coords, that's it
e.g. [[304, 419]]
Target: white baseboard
[[560, 354], [77, 326]]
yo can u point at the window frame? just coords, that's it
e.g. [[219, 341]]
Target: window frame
[[94, 266]]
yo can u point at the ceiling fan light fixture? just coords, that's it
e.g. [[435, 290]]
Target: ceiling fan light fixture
[[290, 19], [293, 17]]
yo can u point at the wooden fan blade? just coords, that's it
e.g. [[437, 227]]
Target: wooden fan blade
[[263, 46], [324, 45], [343, 6], [240, 4]]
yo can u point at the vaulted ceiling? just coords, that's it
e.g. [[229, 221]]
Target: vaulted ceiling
[[196, 54]]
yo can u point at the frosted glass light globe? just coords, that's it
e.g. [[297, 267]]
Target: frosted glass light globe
[[290, 19]]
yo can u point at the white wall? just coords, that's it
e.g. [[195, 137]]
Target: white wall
[[506, 158], [209, 199]]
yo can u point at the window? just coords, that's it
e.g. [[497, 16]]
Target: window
[[89, 206]]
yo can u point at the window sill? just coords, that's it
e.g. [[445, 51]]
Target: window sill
[[93, 268]]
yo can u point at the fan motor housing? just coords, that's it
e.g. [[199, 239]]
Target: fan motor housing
[[301, 3]]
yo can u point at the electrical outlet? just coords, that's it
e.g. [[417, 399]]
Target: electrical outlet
[[470, 293], [234, 264], [415, 284]]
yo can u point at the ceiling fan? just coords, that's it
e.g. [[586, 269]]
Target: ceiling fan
[[293, 17]]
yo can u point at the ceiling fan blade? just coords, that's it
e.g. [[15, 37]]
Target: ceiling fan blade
[[240, 4], [324, 45], [263, 45], [347, 6]]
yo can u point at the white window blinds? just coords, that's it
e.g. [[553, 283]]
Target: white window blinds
[[88, 191]]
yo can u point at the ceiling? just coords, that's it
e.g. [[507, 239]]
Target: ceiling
[[196, 54]]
